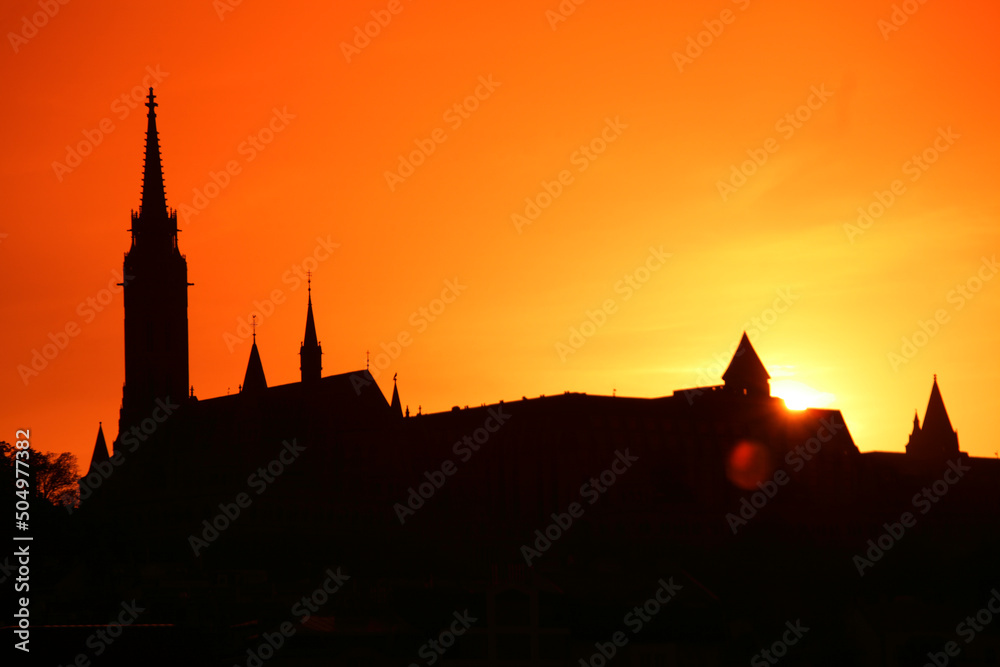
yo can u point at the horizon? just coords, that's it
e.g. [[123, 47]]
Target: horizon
[[558, 201]]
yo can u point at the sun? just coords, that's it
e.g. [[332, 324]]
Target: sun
[[799, 396]]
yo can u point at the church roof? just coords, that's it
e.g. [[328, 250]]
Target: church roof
[[254, 379], [347, 401], [746, 365]]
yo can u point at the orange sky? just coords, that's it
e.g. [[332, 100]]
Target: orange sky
[[664, 129]]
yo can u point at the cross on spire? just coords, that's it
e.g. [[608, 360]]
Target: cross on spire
[[254, 325]]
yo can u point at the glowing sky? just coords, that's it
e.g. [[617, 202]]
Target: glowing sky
[[693, 166]]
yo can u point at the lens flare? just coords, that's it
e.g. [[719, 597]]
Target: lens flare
[[749, 463]]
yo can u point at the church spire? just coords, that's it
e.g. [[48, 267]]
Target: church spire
[[937, 438], [155, 297], [100, 450], [936, 421], [310, 352], [397, 407], [254, 380], [154, 197]]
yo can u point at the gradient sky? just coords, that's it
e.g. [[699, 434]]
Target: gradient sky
[[683, 119]]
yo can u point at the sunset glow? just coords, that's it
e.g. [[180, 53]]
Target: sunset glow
[[498, 200], [798, 396]]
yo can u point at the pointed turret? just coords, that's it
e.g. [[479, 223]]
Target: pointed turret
[[254, 380], [937, 438], [936, 421], [397, 407], [746, 373], [310, 352], [100, 454]]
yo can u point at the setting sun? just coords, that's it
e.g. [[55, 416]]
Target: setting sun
[[799, 396]]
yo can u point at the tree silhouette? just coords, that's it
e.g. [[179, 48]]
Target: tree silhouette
[[55, 475]]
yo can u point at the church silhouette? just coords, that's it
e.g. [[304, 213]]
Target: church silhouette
[[700, 527]]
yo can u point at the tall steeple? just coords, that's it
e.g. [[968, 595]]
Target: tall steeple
[[746, 374], [310, 352], [154, 196], [155, 295]]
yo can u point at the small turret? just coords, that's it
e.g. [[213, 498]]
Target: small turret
[[746, 374]]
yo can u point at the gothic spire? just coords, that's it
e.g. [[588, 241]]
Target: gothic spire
[[310, 352], [936, 438], [310, 336], [100, 449], [397, 407], [254, 380], [936, 421], [154, 198]]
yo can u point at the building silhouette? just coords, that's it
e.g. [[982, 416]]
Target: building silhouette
[[220, 512], [937, 440], [155, 293]]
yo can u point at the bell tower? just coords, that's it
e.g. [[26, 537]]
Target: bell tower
[[155, 292]]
